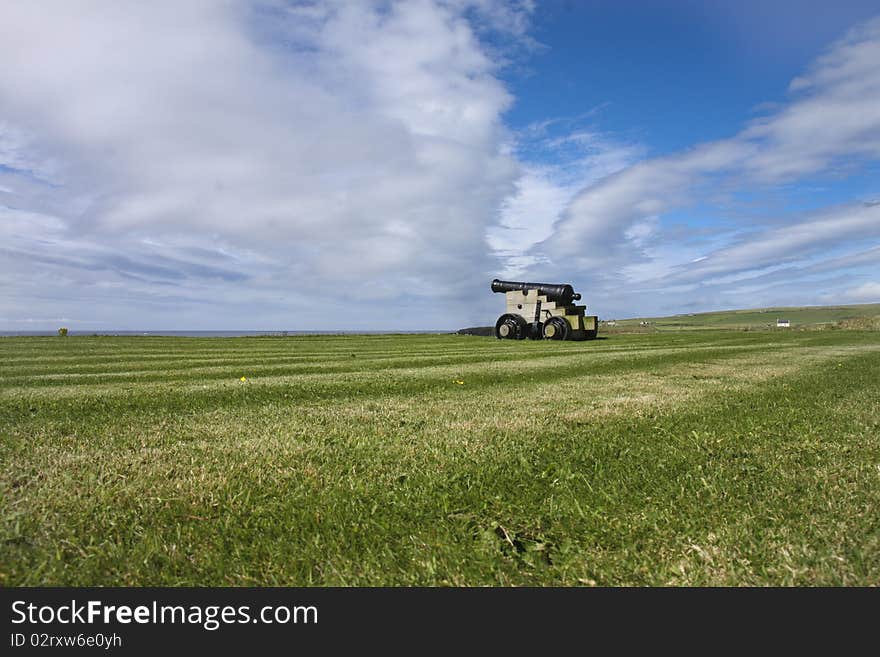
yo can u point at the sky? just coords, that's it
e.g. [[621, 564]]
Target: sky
[[368, 165]]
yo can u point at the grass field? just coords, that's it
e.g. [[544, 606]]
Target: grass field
[[671, 458], [763, 318]]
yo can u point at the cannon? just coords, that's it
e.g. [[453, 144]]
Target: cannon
[[543, 311]]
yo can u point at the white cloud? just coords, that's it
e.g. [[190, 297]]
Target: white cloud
[[830, 125], [838, 115], [867, 292], [335, 143], [555, 168], [786, 244], [346, 165]]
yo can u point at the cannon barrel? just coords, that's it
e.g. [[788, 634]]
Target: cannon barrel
[[561, 293]]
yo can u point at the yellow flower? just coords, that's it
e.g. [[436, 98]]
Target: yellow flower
[[457, 382], [244, 378]]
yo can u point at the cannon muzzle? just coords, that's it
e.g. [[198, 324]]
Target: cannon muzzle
[[561, 293]]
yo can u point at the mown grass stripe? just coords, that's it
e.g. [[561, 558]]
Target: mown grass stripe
[[737, 466]]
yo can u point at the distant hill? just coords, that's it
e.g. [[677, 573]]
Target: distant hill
[[483, 331], [864, 316]]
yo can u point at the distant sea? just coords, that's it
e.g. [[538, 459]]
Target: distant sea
[[214, 334]]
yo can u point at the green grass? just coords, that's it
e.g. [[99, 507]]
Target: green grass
[[759, 318], [719, 458]]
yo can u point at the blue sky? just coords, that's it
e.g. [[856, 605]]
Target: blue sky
[[335, 165], [670, 73]]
